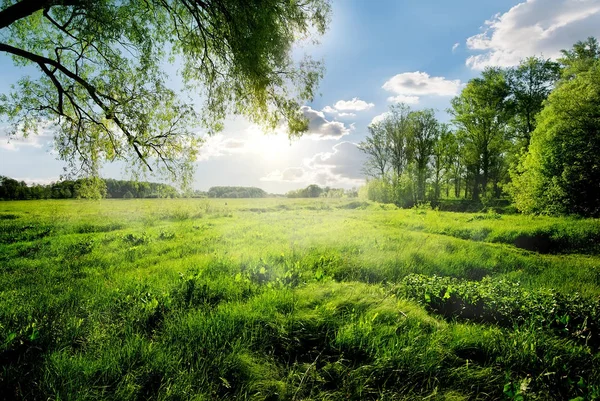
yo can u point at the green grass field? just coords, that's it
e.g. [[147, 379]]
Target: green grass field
[[272, 299]]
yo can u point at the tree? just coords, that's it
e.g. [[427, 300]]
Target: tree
[[425, 132], [530, 83], [312, 191], [396, 126], [481, 111], [580, 58], [11, 189], [103, 87], [377, 148], [90, 188], [442, 158], [560, 174]]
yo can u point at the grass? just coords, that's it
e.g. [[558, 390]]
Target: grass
[[294, 299]]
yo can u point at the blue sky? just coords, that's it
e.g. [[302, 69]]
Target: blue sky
[[375, 53]]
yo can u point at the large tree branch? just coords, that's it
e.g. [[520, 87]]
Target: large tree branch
[[25, 8], [91, 90]]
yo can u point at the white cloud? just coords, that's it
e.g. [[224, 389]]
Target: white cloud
[[40, 181], [218, 145], [14, 143], [403, 99], [329, 109], [420, 84], [345, 160], [321, 128], [534, 27], [290, 174], [379, 118], [339, 167], [353, 105], [455, 46]]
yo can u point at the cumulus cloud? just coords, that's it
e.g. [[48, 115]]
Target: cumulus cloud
[[329, 109], [321, 128], [13, 143], [345, 160], [353, 105], [218, 145], [379, 118], [339, 167], [403, 99], [420, 84], [290, 174], [455, 46], [534, 27]]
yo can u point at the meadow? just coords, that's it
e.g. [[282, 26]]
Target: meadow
[[292, 299]]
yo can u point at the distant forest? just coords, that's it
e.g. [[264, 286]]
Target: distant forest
[[236, 192], [11, 189]]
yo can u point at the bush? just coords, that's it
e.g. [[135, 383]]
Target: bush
[[507, 304], [378, 191]]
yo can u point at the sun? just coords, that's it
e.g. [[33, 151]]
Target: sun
[[269, 147]]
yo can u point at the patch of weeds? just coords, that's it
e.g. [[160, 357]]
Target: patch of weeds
[[507, 304], [136, 240], [318, 206], [80, 248], [29, 250], [177, 215], [144, 308], [166, 235], [10, 233], [201, 290], [490, 215], [259, 273], [422, 208], [481, 234], [355, 205], [9, 216]]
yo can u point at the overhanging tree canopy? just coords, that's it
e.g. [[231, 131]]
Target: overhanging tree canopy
[[103, 81]]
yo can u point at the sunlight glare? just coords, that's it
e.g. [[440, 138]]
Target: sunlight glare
[[271, 147]]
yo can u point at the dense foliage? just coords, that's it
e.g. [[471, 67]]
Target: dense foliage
[[102, 85], [531, 131], [560, 173], [506, 304]]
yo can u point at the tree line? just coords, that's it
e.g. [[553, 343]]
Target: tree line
[[236, 192], [97, 188], [530, 132], [83, 188], [315, 191]]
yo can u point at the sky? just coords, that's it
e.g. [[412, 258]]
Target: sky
[[376, 53]]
